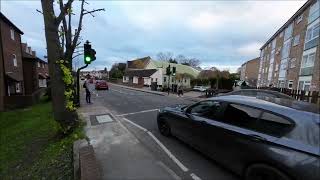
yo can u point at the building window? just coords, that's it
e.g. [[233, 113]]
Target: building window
[[172, 80], [164, 79], [308, 60], [296, 40], [283, 68], [288, 32], [293, 63], [286, 49], [18, 88], [274, 43], [314, 12], [185, 80], [156, 79], [42, 83], [304, 85], [38, 64], [290, 84], [12, 34], [14, 60], [312, 32], [151, 79], [299, 19]]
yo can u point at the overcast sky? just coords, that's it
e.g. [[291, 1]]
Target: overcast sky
[[220, 34]]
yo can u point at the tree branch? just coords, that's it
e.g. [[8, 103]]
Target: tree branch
[[77, 55], [39, 11], [76, 36], [91, 12], [63, 10]]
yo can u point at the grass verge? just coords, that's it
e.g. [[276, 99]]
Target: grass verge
[[30, 147]]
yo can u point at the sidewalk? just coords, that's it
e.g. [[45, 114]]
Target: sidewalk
[[118, 152], [188, 95]]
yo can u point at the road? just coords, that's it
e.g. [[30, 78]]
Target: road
[[141, 108]]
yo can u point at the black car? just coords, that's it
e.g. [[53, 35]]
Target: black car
[[257, 138], [258, 92]]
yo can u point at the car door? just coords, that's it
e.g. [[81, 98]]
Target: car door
[[235, 138], [188, 124]]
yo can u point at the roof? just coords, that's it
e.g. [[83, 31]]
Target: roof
[[139, 63], [6, 20], [180, 68], [302, 9], [255, 59], [140, 72]]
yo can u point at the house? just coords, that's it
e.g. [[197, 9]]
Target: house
[[140, 77], [100, 74], [291, 57], [35, 70], [11, 70], [249, 71], [183, 76]]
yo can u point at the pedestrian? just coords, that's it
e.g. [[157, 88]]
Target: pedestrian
[[180, 91], [88, 93]]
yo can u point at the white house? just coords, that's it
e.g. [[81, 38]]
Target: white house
[[183, 76]]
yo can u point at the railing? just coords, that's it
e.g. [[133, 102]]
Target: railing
[[301, 95]]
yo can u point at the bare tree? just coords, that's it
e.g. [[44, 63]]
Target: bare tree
[[165, 56], [180, 58], [62, 41]]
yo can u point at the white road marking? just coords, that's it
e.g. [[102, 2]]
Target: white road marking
[[137, 125], [185, 169], [150, 110], [166, 150], [195, 177], [171, 172]]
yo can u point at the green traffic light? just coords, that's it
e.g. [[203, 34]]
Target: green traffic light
[[88, 59]]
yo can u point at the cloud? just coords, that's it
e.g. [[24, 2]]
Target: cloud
[[251, 49], [219, 33]]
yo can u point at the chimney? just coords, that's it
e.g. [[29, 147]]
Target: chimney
[[29, 50], [34, 53]]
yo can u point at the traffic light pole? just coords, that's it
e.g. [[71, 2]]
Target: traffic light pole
[[78, 84]]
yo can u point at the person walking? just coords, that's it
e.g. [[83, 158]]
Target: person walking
[[88, 93], [180, 91]]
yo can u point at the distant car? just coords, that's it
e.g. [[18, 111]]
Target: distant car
[[102, 84], [200, 88], [258, 92], [258, 138]]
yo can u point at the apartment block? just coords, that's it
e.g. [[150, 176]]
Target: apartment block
[[249, 71], [290, 58]]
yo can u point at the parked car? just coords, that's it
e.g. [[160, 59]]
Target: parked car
[[102, 84], [258, 92], [200, 88], [257, 138]]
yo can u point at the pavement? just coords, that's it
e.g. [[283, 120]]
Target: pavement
[[192, 95], [128, 145]]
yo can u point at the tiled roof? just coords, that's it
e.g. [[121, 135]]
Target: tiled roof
[[139, 63], [140, 72]]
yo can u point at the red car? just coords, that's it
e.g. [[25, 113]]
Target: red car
[[101, 84]]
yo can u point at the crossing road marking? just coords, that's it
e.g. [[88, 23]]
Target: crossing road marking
[[150, 110]]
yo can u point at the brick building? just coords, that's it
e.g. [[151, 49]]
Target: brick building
[[35, 70], [249, 71], [290, 58], [11, 78]]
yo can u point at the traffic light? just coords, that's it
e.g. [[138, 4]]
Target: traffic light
[[168, 70], [173, 71], [89, 53]]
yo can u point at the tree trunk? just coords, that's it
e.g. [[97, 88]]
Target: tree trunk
[[54, 53]]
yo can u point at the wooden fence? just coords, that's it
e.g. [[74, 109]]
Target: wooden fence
[[307, 96]]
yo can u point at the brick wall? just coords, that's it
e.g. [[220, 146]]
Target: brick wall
[[9, 48]]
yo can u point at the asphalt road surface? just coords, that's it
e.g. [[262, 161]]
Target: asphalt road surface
[[141, 108]]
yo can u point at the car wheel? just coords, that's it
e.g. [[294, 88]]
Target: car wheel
[[164, 128], [264, 172]]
